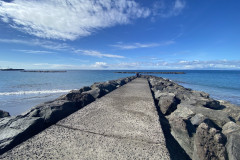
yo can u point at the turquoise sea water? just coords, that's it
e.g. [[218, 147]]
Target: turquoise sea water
[[19, 91]]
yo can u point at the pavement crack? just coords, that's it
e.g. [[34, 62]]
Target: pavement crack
[[108, 135]]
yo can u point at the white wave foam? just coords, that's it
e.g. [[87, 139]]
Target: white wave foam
[[33, 92]]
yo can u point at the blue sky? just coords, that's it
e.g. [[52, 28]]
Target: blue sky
[[123, 34]]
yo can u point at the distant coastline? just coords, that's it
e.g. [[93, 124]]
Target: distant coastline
[[11, 69], [42, 71], [153, 72]]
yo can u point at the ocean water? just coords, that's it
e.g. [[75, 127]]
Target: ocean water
[[20, 91], [220, 84]]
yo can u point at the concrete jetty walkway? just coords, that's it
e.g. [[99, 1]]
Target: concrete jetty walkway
[[124, 124]]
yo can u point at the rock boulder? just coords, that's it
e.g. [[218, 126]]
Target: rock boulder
[[233, 145], [167, 103], [209, 143], [4, 114], [53, 111], [14, 130], [232, 131]]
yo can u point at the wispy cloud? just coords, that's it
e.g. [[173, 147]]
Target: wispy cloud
[[141, 45], [197, 64], [36, 42], [65, 19], [160, 65], [166, 8], [53, 66], [35, 51], [57, 47], [97, 54], [215, 64]]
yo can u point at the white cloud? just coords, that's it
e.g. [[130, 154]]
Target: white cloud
[[68, 19], [96, 65], [141, 45], [100, 65], [52, 66], [182, 62], [161, 65], [166, 8], [179, 4], [36, 51], [97, 54], [197, 64]]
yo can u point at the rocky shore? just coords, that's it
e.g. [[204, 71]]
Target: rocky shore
[[14, 130], [195, 126], [203, 127]]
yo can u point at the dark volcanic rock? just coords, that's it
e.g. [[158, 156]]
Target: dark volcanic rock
[[218, 117], [209, 144], [82, 100], [159, 94], [230, 127], [84, 89], [182, 131], [106, 87], [199, 99], [4, 114], [14, 130], [232, 131], [197, 120], [79, 98], [53, 111], [167, 103], [120, 82], [74, 93], [96, 93], [231, 110], [157, 88], [210, 103], [233, 145]]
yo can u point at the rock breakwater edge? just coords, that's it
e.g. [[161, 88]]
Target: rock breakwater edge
[[204, 128], [14, 130]]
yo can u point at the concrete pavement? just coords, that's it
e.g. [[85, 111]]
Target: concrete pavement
[[124, 124]]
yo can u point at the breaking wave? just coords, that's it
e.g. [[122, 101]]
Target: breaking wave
[[33, 92]]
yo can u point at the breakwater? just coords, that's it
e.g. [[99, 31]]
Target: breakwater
[[195, 126], [204, 128], [16, 129], [121, 125]]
